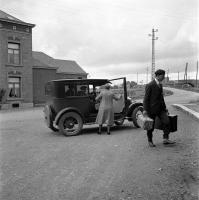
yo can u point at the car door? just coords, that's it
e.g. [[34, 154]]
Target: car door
[[93, 105], [82, 94]]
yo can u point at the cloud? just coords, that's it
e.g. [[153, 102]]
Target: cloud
[[112, 36]]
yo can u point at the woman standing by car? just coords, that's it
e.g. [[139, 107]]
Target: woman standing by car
[[106, 113]]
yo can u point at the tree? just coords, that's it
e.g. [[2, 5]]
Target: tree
[[115, 86], [132, 84]]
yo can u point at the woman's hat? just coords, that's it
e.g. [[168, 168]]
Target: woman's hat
[[107, 86]]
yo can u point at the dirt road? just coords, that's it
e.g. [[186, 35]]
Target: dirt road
[[41, 165]]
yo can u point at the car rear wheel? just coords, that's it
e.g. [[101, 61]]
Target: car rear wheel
[[119, 122], [137, 111], [70, 124], [49, 118]]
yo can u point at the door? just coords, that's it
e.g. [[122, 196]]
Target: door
[[93, 105]]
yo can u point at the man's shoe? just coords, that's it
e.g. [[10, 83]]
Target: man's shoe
[[108, 133], [151, 144], [167, 141]]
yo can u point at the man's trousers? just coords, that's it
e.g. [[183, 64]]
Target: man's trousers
[[163, 116]]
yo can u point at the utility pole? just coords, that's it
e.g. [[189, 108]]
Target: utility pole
[[147, 73], [185, 73], [197, 74], [137, 78], [178, 77], [167, 76], [153, 52]]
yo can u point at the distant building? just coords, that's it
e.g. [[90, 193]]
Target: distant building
[[23, 72]]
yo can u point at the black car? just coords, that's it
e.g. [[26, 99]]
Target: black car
[[71, 103]]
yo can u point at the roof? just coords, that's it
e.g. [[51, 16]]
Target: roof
[[9, 18], [83, 81], [63, 66], [68, 66], [39, 64], [42, 59]]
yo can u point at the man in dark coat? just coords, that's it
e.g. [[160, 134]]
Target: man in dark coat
[[154, 106]]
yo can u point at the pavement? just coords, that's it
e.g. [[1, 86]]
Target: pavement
[[187, 110], [187, 101]]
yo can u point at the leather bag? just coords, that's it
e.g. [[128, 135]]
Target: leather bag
[[173, 119]]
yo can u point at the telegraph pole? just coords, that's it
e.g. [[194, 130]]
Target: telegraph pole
[[167, 76], [147, 72], [178, 77], [185, 73], [197, 75], [153, 37]]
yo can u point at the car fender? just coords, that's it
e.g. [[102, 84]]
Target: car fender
[[48, 115], [61, 112], [132, 107]]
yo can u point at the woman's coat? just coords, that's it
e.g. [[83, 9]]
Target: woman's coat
[[106, 113]]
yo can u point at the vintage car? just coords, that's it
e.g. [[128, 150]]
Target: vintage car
[[70, 103]]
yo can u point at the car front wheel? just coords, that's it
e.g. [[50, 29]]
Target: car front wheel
[[70, 124], [137, 111]]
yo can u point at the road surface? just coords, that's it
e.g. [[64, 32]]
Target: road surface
[[37, 164]]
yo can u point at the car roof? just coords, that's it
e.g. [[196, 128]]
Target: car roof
[[82, 81]]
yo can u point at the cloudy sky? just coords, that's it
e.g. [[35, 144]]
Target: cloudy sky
[[109, 38]]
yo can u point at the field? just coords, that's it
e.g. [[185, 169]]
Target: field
[[138, 92], [193, 89]]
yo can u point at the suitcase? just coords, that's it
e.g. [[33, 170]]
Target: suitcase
[[145, 123], [173, 119]]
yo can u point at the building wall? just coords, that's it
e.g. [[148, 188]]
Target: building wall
[[32, 79], [22, 70], [41, 76]]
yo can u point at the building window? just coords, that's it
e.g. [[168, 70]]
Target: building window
[[13, 53], [14, 28], [14, 86]]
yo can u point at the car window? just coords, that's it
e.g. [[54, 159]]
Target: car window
[[98, 89], [69, 90], [91, 89], [82, 90]]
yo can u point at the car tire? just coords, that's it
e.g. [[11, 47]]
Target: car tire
[[49, 118], [70, 124], [119, 122], [135, 114]]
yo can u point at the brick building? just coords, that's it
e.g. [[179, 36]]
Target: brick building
[[46, 68], [23, 73]]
